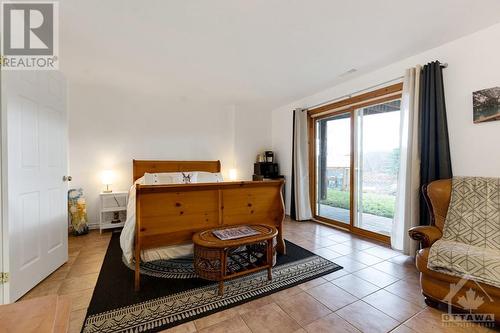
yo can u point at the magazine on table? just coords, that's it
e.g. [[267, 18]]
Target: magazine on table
[[234, 233]]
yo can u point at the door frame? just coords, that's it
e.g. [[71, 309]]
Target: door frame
[[349, 105], [3, 226], [4, 232]]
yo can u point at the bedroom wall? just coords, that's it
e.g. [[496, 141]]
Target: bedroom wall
[[110, 125], [252, 136], [474, 64]]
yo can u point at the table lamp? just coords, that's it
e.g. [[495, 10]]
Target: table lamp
[[107, 179], [233, 174]]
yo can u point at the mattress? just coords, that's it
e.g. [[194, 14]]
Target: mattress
[[128, 232]]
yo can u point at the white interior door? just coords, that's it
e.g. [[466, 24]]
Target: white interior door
[[34, 163]]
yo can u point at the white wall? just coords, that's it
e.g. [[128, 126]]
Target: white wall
[[474, 64], [252, 136], [109, 126]]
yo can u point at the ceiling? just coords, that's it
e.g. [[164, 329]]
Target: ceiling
[[264, 53]]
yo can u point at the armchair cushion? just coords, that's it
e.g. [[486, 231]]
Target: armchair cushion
[[476, 263], [446, 279], [470, 246]]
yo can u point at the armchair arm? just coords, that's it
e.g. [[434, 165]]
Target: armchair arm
[[426, 235]]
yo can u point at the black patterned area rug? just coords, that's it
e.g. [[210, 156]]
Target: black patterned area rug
[[169, 299]]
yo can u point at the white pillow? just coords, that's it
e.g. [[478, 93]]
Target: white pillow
[[148, 179], [155, 178], [209, 177], [166, 178]]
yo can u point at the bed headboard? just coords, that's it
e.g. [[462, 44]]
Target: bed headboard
[[141, 166]]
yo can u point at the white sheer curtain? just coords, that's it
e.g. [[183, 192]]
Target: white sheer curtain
[[301, 167], [406, 214]]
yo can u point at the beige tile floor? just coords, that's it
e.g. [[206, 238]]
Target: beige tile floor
[[377, 291]]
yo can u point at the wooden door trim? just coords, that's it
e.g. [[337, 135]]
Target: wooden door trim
[[335, 223], [370, 234], [352, 108], [351, 174], [352, 229], [398, 87]]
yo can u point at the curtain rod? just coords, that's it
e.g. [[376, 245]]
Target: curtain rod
[[443, 65]]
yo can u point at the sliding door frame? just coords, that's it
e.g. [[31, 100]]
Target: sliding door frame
[[349, 105]]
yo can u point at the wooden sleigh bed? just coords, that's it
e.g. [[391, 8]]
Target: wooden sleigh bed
[[171, 214]]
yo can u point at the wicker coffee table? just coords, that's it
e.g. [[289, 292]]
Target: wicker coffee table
[[221, 260]]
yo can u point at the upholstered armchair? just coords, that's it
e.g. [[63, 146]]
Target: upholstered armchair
[[447, 286]]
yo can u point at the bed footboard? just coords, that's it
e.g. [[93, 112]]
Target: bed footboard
[[171, 214]]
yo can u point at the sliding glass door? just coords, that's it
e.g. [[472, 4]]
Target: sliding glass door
[[333, 160], [355, 161], [377, 163]]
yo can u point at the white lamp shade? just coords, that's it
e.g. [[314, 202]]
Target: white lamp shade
[[107, 177], [233, 174]]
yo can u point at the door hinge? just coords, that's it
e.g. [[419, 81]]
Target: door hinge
[[4, 277]]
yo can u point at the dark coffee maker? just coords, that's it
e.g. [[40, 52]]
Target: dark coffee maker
[[266, 169], [269, 155]]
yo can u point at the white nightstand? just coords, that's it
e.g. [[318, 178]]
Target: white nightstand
[[113, 208]]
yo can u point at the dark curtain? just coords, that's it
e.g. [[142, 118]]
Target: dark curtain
[[293, 213], [435, 161]]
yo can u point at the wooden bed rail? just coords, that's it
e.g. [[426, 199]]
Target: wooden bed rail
[[171, 214]]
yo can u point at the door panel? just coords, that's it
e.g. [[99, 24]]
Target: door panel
[[54, 155], [333, 168], [36, 159], [30, 220], [29, 134], [55, 218], [377, 163]]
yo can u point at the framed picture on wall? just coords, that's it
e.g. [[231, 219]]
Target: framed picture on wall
[[486, 104]]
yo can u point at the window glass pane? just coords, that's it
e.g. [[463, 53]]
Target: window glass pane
[[377, 163], [333, 162]]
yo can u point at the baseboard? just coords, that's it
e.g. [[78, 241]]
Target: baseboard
[[93, 226]]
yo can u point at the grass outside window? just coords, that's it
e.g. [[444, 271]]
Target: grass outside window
[[373, 203]]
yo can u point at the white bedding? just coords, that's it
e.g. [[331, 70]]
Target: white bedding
[[128, 232]]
